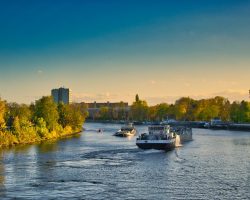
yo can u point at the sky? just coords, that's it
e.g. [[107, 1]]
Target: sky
[[112, 50]]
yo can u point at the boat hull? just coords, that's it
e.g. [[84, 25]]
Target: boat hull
[[156, 144], [125, 134], [185, 137]]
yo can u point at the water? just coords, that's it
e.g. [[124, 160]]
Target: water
[[215, 165]]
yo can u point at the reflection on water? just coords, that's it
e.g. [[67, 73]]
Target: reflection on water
[[2, 177], [215, 165]]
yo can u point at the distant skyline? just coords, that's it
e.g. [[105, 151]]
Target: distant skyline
[[111, 50]]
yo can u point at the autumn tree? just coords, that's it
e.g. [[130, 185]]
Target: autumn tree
[[46, 108], [139, 109], [2, 113]]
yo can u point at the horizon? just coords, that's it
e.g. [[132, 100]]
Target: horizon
[[114, 50]]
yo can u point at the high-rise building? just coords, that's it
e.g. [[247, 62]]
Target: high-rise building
[[61, 95]]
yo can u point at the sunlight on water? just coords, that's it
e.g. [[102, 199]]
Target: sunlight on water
[[102, 166], [178, 141]]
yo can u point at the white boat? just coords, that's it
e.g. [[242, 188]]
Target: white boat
[[126, 131], [158, 137]]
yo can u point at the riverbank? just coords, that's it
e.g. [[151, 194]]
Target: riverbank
[[191, 124], [8, 139]]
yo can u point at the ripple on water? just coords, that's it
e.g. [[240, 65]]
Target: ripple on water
[[215, 165]]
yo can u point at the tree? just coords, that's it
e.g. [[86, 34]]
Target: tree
[[245, 111], [137, 98], [235, 112], [2, 113], [23, 112], [209, 112], [77, 117], [224, 107], [139, 110], [64, 112], [152, 113], [183, 108], [46, 108], [162, 111]]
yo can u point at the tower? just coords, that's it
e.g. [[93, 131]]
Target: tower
[[61, 95]]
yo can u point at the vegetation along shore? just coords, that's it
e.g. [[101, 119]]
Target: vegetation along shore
[[44, 120], [184, 109]]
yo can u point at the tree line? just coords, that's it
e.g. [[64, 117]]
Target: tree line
[[184, 109], [21, 124]]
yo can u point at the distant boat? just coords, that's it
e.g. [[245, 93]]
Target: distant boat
[[158, 137], [126, 131], [99, 130]]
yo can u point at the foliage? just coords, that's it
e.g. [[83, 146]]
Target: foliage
[[240, 112], [185, 109], [77, 118], [46, 108], [139, 110], [40, 121], [2, 113]]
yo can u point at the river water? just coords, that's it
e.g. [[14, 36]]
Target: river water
[[92, 165]]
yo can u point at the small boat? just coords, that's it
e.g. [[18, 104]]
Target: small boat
[[99, 130], [126, 131], [158, 137]]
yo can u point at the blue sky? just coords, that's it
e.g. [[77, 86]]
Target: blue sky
[[111, 50]]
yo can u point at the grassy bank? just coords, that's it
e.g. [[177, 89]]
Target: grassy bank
[[31, 136]]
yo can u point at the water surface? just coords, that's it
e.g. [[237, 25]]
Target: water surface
[[92, 165]]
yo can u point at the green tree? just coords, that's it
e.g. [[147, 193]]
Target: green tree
[[235, 113], [77, 117], [46, 108], [41, 128], [224, 107], [65, 114], [245, 111], [22, 111], [137, 98], [162, 111], [209, 112], [139, 110], [2, 113], [183, 108]]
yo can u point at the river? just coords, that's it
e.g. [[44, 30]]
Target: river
[[92, 165]]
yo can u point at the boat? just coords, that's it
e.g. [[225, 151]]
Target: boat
[[183, 134], [159, 137], [126, 131]]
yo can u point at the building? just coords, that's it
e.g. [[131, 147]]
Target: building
[[94, 108], [61, 95], [107, 104]]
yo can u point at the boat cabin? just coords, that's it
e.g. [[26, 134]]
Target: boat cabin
[[159, 129]]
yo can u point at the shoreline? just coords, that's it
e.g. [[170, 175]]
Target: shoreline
[[190, 124], [41, 140]]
